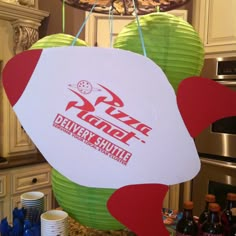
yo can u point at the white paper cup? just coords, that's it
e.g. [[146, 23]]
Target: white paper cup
[[54, 222], [29, 196], [32, 200]]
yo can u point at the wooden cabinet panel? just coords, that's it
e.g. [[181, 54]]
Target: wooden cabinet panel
[[2, 213], [16, 22], [221, 22], [19, 141], [15, 181], [30, 180], [14, 141], [215, 22], [3, 183]]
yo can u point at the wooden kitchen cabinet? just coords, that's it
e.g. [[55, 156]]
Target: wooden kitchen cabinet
[[3, 193], [215, 21], [14, 140], [15, 181], [18, 31]]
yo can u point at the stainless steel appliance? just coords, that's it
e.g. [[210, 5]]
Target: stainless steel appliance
[[215, 177], [217, 144], [219, 139]]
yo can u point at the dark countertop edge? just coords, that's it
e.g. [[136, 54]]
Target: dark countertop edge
[[22, 160]]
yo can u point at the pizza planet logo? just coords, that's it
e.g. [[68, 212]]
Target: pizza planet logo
[[86, 111]]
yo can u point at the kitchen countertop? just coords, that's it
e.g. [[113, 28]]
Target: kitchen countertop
[[76, 229], [23, 160]]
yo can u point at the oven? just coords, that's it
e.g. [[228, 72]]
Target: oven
[[216, 177], [219, 139], [216, 145]]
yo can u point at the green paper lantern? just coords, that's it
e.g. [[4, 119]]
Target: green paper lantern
[[170, 42], [84, 204], [57, 40]]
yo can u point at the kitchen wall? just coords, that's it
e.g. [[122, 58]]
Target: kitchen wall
[[74, 18]]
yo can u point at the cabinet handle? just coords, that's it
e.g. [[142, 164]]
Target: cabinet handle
[[34, 180]]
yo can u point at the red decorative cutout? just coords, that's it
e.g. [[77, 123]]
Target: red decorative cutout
[[21, 66], [139, 207], [202, 101]]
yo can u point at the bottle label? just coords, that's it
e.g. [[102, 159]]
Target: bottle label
[[209, 234]]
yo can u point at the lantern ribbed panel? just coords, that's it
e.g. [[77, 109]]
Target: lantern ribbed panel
[[57, 40], [170, 42], [86, 205]]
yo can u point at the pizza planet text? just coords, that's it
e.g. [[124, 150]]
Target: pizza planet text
[[86, 112], [90, 138]]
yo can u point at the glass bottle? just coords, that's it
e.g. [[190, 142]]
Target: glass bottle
[[209, 198], [226, 216], [213, 226], [186, 225], [233, 223]]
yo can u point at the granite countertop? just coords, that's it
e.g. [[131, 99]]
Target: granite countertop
[[75, 228]]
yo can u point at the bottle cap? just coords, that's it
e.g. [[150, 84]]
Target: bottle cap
[[215, 207], [231, 196], [210, 198], [233, 211], [188, 205]]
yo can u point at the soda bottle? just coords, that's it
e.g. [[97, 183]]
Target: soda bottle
[[233, 223], [226, 216], [186, 226], [209, 198], [212, 226]]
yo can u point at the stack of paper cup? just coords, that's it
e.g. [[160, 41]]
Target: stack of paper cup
[[33, 202], [54, 222]]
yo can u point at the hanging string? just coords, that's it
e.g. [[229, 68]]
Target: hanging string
[[84, 23], [139, 30], [63, 16], [111, 17]]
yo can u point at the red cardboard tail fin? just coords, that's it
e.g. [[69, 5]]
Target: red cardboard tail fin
[[17, 73], [202, 101], [139, 207]]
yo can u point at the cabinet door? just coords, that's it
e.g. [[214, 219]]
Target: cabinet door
[[3, 183], [13, 139], [3, 191], [97, 30], [216, 23], [2, 213]]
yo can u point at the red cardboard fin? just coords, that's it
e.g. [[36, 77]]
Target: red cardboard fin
[[139, 207], [17, 73], [202, 101]]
